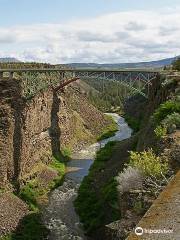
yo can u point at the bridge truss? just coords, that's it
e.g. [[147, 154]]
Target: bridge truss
[[138, 81]]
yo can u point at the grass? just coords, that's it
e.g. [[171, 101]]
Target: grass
[[61, 169], [64, 155], [33, 189], [110, 130], [29, 194], [91, 206], [66, 152]]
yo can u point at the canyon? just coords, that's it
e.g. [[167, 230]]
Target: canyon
[[51, 124]]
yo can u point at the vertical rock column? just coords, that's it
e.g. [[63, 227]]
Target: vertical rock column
[[6, 144], [9, 122]]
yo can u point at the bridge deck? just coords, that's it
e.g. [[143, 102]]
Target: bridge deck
[[79, 70], [135, 79]]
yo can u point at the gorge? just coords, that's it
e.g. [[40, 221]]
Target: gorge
[[48, 143], [59, 215]]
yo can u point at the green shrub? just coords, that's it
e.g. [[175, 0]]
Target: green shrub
[[91, 207], [138, 207], [173, 119], [176, 64], [110, 130], [161, 131], [66, 152], [170, 123], [110, 195], [29, 194], [148, 163], [105, 153], [133, 123], [166, 109]]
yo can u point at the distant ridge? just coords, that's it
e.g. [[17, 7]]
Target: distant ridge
[[152, 64], [8, 60]]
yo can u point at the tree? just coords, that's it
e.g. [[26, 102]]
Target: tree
[[176, 64]]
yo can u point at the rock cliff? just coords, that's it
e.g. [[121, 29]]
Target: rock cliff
[[32, 130]]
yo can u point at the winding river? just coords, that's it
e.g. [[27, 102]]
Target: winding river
[[59, 215]]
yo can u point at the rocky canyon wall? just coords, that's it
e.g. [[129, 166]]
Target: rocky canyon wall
[[24, 137], [33, 130]]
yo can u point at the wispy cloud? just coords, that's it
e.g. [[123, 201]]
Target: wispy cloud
[[117, 37]]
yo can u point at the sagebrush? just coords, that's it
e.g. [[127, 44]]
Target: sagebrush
[[131, 178], [148, 163]]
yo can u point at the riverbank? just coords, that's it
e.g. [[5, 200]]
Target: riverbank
[[91, 204], [32, 196], [97, 202]]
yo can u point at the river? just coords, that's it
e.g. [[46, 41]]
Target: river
[[59, 215]]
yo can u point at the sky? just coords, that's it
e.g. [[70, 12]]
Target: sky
[[101, 31]]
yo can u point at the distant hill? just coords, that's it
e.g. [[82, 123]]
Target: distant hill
[[8, 60], [152, 64]]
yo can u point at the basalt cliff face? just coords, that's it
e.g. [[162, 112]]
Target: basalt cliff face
[[33, 130]]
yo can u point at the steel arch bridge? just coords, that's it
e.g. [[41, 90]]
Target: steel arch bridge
[[136, 79]]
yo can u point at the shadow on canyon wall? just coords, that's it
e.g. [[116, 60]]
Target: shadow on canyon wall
[[17, 142], [55, 129]]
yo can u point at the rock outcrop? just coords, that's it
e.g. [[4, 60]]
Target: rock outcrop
[[13, 210], [32, 130]]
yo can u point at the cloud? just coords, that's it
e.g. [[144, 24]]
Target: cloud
[[117, 37], [135, 26], [87, 36], [6, 37]]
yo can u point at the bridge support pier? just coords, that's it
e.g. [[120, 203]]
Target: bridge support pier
[[11, 75], [1, 75]]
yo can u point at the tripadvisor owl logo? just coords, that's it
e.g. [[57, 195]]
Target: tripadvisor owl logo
[[139, 231]]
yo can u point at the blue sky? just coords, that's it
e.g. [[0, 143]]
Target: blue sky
[[89, 31], [18, 12]]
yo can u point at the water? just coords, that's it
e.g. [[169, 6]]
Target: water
[[59, 216]]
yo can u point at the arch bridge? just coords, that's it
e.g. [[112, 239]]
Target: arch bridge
[[136, 79]]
